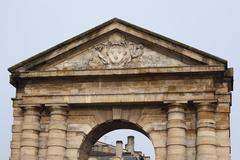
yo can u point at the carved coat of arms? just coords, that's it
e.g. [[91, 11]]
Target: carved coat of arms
[[116, 52]]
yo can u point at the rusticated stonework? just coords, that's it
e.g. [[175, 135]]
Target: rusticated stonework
[[120, 76]]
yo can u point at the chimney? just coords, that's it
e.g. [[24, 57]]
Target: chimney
[[130, 145], [119, 149]]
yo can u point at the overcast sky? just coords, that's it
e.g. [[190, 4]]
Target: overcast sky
[[28, 27]]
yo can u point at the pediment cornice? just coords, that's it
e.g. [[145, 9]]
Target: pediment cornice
[[135, 50]]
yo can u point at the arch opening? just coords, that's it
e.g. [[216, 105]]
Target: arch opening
[[102, 129]]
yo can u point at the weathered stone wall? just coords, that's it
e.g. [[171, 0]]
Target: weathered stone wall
[[184, 117], [112, 90]]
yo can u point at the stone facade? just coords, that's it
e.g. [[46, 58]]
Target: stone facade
[[120, 76]]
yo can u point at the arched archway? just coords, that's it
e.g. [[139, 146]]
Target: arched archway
[[102, 129]]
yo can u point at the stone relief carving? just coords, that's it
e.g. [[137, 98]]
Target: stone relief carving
[[116, 52]]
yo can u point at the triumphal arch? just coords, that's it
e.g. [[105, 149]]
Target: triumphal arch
[[120, 76]]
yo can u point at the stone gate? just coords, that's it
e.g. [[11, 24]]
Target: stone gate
[[120, 76]]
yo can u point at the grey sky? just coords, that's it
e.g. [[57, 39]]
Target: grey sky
[[28, 27]]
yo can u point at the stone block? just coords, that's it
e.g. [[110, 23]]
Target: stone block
[[223, 138], [43, 140], [191, 153], [160, 153], [222, 120], [72, 154], [15, 154], [224, 98], [16, 128], [158, 138], [223, 108], [191, 138], [84, 128], [42, 154], [223, 153], [74, 139]]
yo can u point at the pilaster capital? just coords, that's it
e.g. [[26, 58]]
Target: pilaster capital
[[31, 109], [57, 108], [205, 106], [176, 106], [30, 106]]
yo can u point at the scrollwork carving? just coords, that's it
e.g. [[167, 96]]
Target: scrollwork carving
[[116, 52]]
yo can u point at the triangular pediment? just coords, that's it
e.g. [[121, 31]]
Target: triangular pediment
[[117, 50], [116, 44]]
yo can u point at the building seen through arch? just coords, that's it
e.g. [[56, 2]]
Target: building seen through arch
[[121, 76], [104, 151], [87, 146]]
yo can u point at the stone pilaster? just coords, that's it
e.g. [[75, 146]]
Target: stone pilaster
[[160, 150], [57, 132], [206, 131], [16, 129], [30, 132], [176, 141]]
